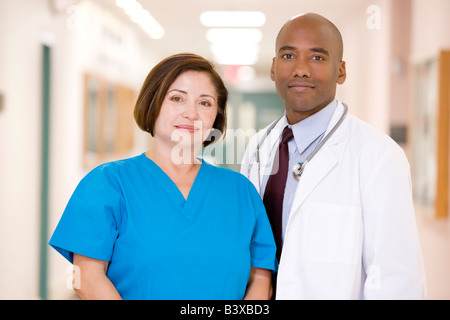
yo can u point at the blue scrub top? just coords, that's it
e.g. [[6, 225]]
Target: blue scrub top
[[161, 246]]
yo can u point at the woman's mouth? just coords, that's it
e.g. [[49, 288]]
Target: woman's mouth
[[187, 128]]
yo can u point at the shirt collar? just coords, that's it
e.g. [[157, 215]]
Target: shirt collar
[[311, 128]]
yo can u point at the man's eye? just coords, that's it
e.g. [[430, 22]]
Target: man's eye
[[287, 56], [318, 58]]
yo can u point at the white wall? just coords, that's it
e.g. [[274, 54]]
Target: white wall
[[430, 28], [21, 27], [78, 42], [366, 52]]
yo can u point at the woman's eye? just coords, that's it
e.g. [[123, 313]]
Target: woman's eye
[[206, 103], [176, 99]]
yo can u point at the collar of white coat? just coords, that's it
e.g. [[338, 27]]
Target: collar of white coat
[[272, 140], [310, 129], [268, 147], [340, 109]]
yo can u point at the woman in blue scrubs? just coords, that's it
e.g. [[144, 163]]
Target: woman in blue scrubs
[[164, 224]]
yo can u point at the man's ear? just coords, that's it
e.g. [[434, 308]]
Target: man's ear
[[342, 73], [272, 71]]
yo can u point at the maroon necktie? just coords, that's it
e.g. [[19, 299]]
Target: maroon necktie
[[274, 194]]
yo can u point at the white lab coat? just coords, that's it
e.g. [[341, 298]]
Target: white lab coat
[[351, 232]]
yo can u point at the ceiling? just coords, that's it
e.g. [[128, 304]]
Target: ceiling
[[184, 32]]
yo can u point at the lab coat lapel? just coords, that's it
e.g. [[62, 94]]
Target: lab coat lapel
[[322, 163], [314, 173]]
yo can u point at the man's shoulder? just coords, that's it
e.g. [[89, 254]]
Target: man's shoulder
[[370, 137]]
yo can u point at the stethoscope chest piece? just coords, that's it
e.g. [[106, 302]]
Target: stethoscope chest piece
[[297, 170]]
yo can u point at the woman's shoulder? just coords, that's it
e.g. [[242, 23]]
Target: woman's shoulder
[[113, 170], [121, 164], [222, 170]]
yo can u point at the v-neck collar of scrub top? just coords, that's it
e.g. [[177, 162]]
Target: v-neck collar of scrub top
[[188, 207]]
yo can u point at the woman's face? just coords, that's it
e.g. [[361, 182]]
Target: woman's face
[[188, 111]]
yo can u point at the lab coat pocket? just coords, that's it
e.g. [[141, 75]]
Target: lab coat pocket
[[331, 233]]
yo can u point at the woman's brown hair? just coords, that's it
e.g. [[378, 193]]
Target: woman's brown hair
[[158, 82]]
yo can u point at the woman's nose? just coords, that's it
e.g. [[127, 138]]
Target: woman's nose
[[190, 111]]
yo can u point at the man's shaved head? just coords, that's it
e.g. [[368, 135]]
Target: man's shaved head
[[318, 21]]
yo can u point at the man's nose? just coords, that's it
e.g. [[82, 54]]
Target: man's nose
[[301, 69]]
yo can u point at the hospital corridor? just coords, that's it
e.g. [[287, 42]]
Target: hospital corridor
[[71, 72]]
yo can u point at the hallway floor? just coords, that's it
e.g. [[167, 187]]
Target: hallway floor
[[435, 241]]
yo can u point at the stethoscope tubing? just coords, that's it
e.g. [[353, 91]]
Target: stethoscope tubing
[[256, 154]]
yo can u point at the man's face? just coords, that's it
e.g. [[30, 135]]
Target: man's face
[[307, 67]]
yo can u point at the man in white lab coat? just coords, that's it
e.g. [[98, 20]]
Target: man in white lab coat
[[348, 222]]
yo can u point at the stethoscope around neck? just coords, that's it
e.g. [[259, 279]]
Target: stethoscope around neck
[[298, 168]]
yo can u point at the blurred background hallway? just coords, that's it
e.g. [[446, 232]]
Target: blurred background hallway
[[435, 241], [70, 71]]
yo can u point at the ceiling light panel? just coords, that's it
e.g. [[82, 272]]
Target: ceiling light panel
[[142, 17], [233, 19], [233, 35]]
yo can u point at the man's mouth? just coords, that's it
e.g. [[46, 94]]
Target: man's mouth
[[300, 86]]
